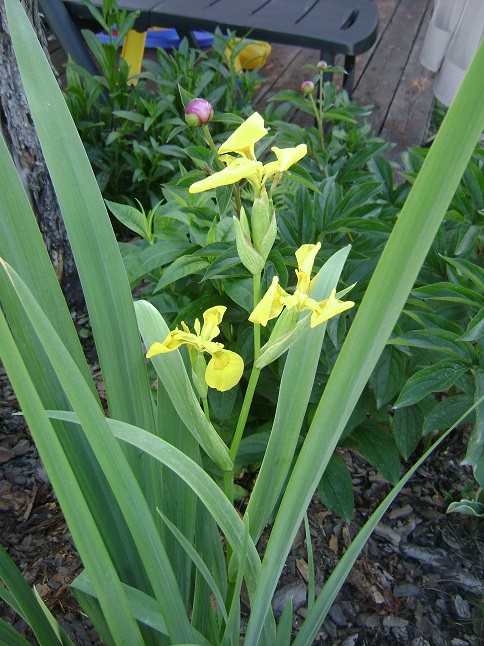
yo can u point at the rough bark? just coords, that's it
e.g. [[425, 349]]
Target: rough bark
[[19, 133]]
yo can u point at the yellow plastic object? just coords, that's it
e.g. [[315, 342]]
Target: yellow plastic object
[[253, 55], [133, 50]]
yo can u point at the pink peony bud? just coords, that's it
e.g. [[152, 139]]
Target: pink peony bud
[[198, 112], [307, 87], [322, 65]]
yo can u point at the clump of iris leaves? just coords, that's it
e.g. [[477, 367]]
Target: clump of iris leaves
[[343, 192]]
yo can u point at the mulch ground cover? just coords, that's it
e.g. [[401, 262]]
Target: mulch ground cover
[[419, 580]]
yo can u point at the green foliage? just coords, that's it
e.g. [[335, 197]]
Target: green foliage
[[135, 134], [147, 488], [432, 348]]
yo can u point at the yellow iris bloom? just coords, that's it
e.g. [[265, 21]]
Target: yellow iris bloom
[[276, 298], [243, 140], [246, 166], [225, 368]]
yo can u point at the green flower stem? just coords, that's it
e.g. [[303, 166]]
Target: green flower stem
[[319, 120], [244, 412], [208, 138], [256, 289], [321, 83], [254, 376]]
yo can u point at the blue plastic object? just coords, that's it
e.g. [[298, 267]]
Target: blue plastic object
[[166, 38]]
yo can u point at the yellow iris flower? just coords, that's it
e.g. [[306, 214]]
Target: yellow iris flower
[[243, 140], [246, 166], [225, 368], [276, 298]]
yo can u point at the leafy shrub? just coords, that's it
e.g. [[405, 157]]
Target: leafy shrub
[[133, 133]]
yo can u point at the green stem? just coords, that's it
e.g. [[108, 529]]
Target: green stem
[[244, 412], [209, 140], [256, 289], [319, 120], [254, 376], [246, 404]]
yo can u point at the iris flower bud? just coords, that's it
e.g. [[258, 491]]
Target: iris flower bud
[[198, 112], [307, 87]]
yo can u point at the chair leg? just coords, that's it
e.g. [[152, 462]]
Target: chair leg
[[190, 36], [133, 51], [67, 34], [349, 78]]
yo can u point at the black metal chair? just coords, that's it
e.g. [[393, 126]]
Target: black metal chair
[[347, 27]]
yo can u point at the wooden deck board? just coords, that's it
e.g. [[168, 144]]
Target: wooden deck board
[[394, 82], [408, 117]]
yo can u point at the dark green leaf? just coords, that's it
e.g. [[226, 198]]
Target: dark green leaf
[[223, 195], [222, 403], [359, 413], [253, 447], [474, 180], [446, 413], [277, 260], [433, 379], [475, 447], [130, 217], [181, 267], [407, 429], [450, 292], [336, 488], [435, 339], [339, 115], [469, 269], [241, 292], [139, 262], [301, 176], [468, 237], [378, 446], [136, 117], [388, 375], [226, 260], [214, 249]]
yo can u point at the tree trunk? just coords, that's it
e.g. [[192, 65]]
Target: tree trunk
[[21, 138]]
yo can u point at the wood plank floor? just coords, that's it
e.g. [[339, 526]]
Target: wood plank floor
[[388, 77]]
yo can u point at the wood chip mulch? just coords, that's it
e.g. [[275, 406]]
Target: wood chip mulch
[[419, 580]]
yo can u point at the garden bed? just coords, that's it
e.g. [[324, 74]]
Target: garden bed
[[419, 580]]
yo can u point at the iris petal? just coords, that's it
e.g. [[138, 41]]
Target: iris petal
[[211, 319], [239, 169], [169, 344], [329, 308], [270, 304], [243, 139], [224, 370], [286, 157], [306, 255]]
